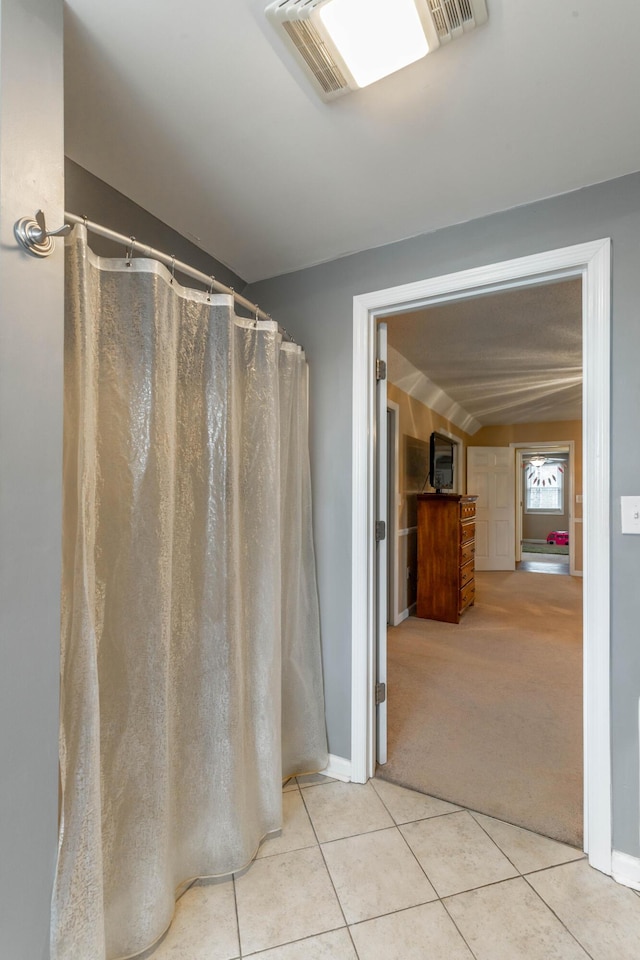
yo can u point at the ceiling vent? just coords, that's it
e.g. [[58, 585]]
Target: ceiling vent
[[302, 27], [451, 18]]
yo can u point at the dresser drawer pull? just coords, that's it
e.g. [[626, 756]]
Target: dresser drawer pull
[[466, 573], [467, 531], [467, 552], [467, 595]]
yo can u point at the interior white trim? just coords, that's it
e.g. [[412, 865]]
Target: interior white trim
[[406, 531], [339, 768], [591, 261], [363, 670], [626, 869]]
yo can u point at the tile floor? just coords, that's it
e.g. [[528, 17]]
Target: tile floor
[[377, 872]]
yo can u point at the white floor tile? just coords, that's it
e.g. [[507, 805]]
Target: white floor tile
[[336, 945], [297, 831], [287, 907], [456, 853], [527, 851], [415, 934], [603, 915], [408, 805], [508, 921], [345, 809], [285, 897], [375, 873], [204, 926]]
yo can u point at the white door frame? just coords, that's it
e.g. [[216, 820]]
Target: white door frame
[[548, 447], [592, 262]]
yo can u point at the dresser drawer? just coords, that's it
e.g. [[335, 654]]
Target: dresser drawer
[[467, 511], [466, 573], [467, 531], [467, 552], [467, 595]]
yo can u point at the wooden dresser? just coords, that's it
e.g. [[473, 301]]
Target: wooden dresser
[[446, 550]]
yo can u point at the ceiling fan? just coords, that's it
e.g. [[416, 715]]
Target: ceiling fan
[[543, 470]]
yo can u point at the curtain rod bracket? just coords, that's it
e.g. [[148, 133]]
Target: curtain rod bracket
[[34, 237]]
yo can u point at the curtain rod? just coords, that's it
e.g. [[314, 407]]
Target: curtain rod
[[171, 262]]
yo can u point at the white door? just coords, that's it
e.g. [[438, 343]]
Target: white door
[[381, 551], [491, 477]]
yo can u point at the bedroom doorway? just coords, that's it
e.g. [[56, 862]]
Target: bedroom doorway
[[474, 717], [549, 517], [591, 262]]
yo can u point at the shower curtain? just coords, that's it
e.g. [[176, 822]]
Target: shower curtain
[[191, 674]]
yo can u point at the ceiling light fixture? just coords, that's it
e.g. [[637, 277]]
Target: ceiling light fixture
[[348, 44], [374, 37]]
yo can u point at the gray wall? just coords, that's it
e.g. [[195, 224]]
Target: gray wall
[[31, 348], [90, 197], [316, 306]]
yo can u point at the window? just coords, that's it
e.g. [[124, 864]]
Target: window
[[544, 486]]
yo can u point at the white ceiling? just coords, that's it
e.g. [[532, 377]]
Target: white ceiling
[[196, 111], [508, 357]]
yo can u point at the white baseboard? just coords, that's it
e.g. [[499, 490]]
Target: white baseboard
[[625, 869], [402, 616], [339, 768]]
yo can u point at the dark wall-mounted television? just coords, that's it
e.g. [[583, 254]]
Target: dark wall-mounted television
[[441, 462]]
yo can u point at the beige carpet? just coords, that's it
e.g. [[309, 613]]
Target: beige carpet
[[488, 713]]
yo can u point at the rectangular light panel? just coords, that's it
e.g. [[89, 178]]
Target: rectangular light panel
[[375, 37]]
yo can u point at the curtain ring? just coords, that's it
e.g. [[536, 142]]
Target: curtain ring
[[255, 322], [210, 292], [173, 267], [129, 251]]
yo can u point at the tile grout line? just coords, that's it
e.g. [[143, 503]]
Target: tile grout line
[[553, 912], [435, 816], [553, 866], [241, 954], [326, 866], [365, 833], [448, 913], [415, 857], [235, 904], [439, 899], [495, 843]]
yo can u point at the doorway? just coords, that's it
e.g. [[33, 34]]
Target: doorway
[[591, 262], [547, 505], [486, 714]]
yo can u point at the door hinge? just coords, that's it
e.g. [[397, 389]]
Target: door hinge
[[381, 370], [381, 693], [381, 530]]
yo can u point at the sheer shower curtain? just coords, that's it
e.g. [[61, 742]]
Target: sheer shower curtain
[[191, 675]]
